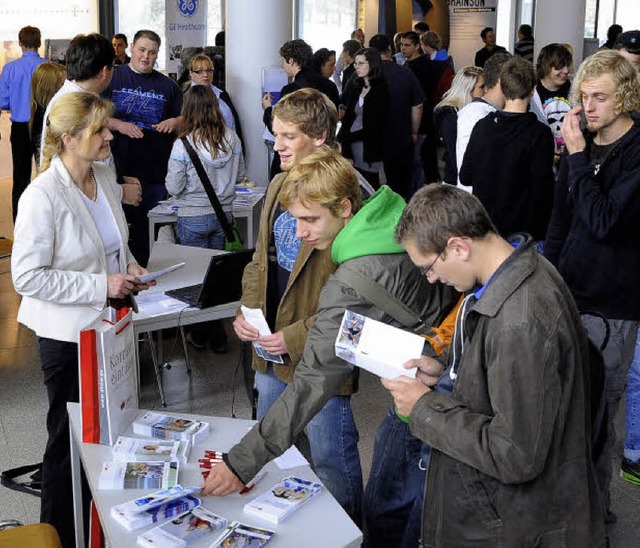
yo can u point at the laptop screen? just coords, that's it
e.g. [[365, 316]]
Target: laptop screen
[[223, 281]]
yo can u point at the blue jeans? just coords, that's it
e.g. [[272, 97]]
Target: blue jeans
[[632, 441], [333, 438], [392, 503], [202, 231]]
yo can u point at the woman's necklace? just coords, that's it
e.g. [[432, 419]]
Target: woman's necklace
[[95, 185]]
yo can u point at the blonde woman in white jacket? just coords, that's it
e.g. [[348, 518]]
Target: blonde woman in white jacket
[[70, 257], [220, 152]]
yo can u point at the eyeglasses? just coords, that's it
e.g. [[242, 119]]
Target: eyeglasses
[[360, 63], [202, 72], [424, 270]]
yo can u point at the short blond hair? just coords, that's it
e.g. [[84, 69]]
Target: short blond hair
[[324, 178], [312, 111], [625, 78], [77, 114]]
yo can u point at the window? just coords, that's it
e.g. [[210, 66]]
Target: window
[[326, 23]]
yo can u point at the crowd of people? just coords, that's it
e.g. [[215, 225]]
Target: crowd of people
[[491, 210]]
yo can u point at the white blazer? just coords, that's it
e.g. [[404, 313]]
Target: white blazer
[[58, 261]]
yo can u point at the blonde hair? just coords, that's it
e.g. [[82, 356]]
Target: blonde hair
[[47, 79], [324, 178], [623, 73], [200, 59], [77, 114], [459, 94]]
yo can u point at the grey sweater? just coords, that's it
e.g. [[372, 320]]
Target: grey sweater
[[224, 172]]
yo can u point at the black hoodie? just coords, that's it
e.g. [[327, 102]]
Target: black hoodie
[[509, 164]]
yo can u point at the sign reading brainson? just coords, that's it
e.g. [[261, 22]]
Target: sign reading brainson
[[186, 26]]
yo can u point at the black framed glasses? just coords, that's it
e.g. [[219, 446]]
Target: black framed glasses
[[424, 270], [203, 72]]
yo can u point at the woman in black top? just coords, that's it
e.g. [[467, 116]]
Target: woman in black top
[[365, 118]]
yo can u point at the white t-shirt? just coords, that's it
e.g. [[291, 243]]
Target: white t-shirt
[[106, 225]]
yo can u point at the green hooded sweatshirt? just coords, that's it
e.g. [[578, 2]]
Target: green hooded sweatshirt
[[371, 230]]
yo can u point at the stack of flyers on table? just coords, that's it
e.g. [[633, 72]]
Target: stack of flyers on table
[[377, 347], [156, 507], [166, 427], [139, 475], [204, 528], [136, 449], [282, 499], [255, 317]]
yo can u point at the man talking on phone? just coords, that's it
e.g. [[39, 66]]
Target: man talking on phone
[[593, 234]]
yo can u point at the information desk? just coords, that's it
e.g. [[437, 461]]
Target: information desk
[[247, 212], [320, 523], [157, 311]]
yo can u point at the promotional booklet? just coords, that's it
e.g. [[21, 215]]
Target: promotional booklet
[[157, 425], [241, 535], [138, 475], [186, 529], [377, 347], [135, 449], [156, 507], [282, 499]]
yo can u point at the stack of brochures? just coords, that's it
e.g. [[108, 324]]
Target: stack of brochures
[[135, 449], [206, 527], [156, 507], [139, 475], [166, 427], [282, 499]]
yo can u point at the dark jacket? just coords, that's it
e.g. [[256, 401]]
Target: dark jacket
[[305, 79], [510, 463], [430, 73], [509, 164], [446, 122], [346, 76], [595, 228], [374, 121]]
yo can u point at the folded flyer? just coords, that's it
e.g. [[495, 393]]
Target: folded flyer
[[256, 318], [156, 507], [186, 529], [377, 347], [158, 425], [241, 535], [145, 278], [282, 499], [138, 475], [135, 449]]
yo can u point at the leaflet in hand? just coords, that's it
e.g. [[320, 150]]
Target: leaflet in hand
[[157, 425], [376, 346], [146, 278], [186, 529], [136, 449], [156, 507], [282, 499], [138, 475], [256, 318]]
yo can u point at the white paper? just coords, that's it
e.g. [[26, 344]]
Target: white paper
[[291, 458], [377, 347], [255, 317], [159, 273], [156, 303]]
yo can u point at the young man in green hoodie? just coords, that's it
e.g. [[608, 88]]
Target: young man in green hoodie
[[323, 194]]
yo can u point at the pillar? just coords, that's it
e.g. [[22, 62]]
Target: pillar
[[255, 30], [561, 22]]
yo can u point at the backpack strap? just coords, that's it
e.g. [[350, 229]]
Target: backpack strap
[[206, 183], [381, 297]]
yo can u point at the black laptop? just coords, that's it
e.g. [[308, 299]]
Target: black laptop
[[222, 283]]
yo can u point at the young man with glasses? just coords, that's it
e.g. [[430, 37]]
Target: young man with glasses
[[510, 444], [322, 194]]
